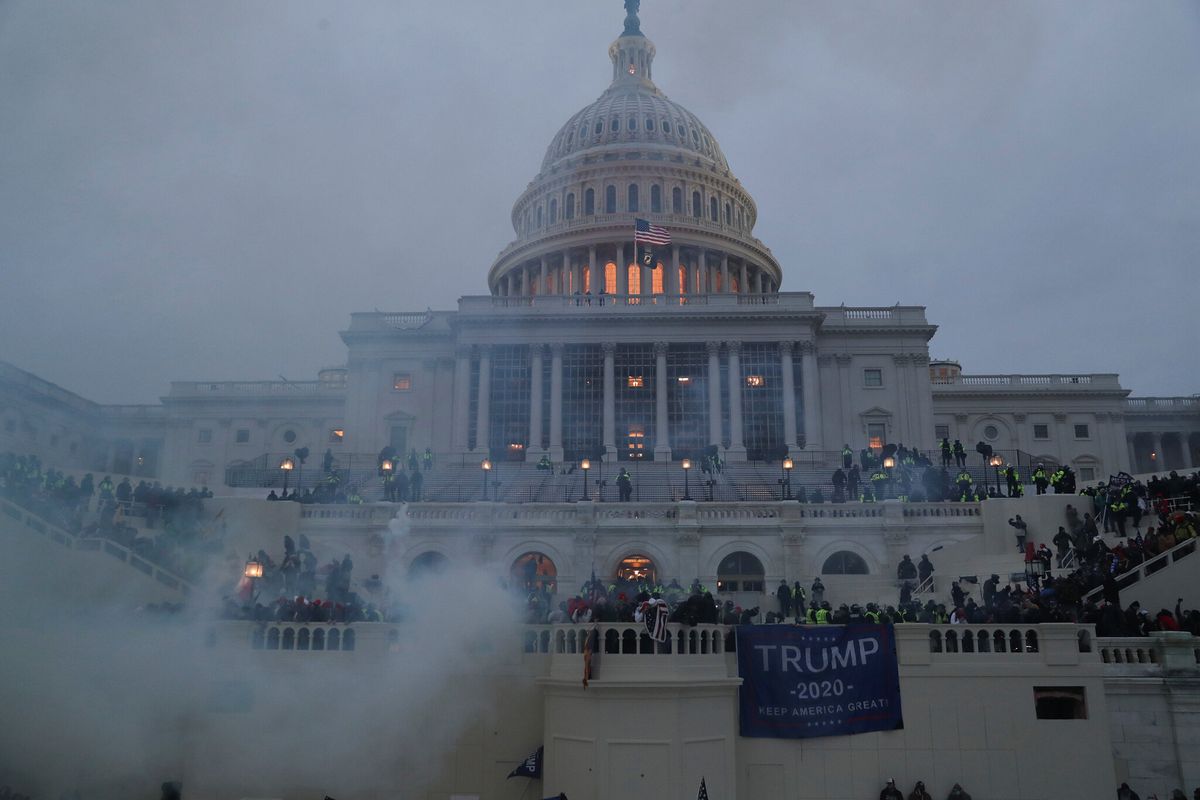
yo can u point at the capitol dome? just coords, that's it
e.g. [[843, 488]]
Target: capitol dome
[[634, 154]]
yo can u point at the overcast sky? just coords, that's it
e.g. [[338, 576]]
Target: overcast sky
[[206, 190]]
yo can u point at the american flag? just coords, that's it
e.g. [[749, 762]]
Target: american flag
[[644, 232], [703, 794]]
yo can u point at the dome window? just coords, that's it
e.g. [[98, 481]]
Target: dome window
[[599, 127], [632, 204], [583, 132], [656, 199], [610, 200], [667, 127], [631, 124], [615, 126], [553, 210], [712, 209], [539, 217], [589, 202], [728, 214], [676, 200], [649, 124], [697, 206], [570, 208]]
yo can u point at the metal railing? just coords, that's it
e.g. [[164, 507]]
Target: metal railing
[[1149, 567]]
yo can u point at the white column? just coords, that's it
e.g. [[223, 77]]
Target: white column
[[758, 281], [725, 273], [1131, 442], [462, 396], [789, 395], [714, 393], [577, 277], [481, 409], [556, 401], [737, 450], [810, 389], [1159, 463], [535, 400], [592, 285], [1185, 449], [702, 271], [744, 281], [610, 401], [671, 285], [662, 433], [545, 272]]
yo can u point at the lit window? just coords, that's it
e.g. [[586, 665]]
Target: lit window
[[402, 382], [636, 442], [684, 379], [755, 381], [635, 382], [656, 280], [873, 377], [1041, 431], [516, 446], [337, 435], [242, 436], [632, 71], [1081, 431], [204, 436]]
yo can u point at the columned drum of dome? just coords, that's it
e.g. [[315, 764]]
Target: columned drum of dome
[[634, 154]]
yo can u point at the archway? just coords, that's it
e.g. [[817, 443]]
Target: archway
[[430, 563], [637, 568], [740, 572], [534, 571], [844, 562]]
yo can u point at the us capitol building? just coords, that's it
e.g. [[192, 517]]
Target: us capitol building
[[583, 351]]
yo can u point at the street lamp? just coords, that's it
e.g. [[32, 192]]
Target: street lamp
[[486, 466], [889, 463], [788, 464], [996, 461], [1035, 570], [287, 465], [253, 571], [386, 466], [687, 465], [585, 465]]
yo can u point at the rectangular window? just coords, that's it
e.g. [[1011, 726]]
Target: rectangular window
[[402, 382], [687, 400], [876, 435], [1087, 474], [583, 401], [508, 402], [873, 378], [755, 381], [635, 381], [1081, 431], [242, 436], [204, 436], [1060, 702], [337, 435], [1041, 431], [941, 432], [762, 402]]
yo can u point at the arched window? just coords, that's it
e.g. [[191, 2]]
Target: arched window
[[615, 126], [583, 133], [427, 564], [634, 278], [570, 210], [632, 198], [683, 279], [677, 200], [589, 202], [534, 571], [656, 198], [637, 568], [656, 280], [610, 199], [697, 206], [631, 124], [728, 214], [649, 124], [741, 218], [599, 127], [666, 126], [712, 209], [610, 278], [740, 572], [844, 562], [539, 216], [553, 210]]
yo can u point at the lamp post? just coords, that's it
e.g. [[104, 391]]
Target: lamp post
[[1035, 570], [486, 466], [687, 465], [996, 461], [253, 571], [788, 464], [889, 463], [386, 466], [287, 465], [585, 465]]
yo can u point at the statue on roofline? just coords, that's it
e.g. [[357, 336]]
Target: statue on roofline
[[633, 26]]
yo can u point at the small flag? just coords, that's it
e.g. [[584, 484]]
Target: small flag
[[657, 616], [703, 794], [530, 767], [647, 238]]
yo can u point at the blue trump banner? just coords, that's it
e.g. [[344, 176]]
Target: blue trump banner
[[823, 680]]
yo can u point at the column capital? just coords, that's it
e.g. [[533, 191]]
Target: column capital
[[734, 346], [919, 359], [537, 350], [608, 348], [713, 347], [484, 350], [660, 348], [556, 349], [844, 359], [806, 347], [786, 347], [462, 351], [900, 359]]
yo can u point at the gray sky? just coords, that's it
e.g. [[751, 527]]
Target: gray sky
[[207, 190]]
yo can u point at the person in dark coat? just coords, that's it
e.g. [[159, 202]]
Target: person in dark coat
[[784, 594], [890, 792]]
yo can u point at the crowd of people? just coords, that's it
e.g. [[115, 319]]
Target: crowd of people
[[919, 792], [183, 536]]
